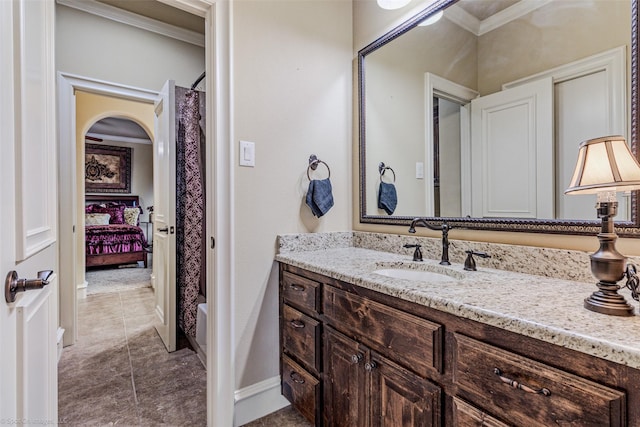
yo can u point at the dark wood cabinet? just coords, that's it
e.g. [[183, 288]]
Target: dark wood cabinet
[[363, 388], [300, 344], [355, 357]]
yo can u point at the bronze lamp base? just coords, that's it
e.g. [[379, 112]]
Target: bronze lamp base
[[608, 266], [607, 300]]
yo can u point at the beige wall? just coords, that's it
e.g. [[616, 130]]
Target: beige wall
[[396, 104], [371, 22], [292, 97], [555, 34], [91, 46]]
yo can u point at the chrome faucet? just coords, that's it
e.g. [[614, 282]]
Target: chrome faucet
[[444, 260]]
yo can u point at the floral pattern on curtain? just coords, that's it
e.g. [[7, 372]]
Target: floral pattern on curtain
[[190, 206]]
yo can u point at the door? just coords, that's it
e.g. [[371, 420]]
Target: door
[[346, 401], [400, 398], [164, 237], [512, 142], [28, 212]]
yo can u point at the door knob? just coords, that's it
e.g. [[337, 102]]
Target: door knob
[[13, 284], [163, 230]]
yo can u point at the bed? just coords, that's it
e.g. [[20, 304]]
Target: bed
[[112, 232]]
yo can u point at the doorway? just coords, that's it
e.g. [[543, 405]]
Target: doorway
[[120, 131], [220, 360]]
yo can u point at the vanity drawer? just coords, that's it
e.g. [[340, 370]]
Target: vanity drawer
[[301, 389], [525, 392], [409, 340], [301, 292], [301, 337]]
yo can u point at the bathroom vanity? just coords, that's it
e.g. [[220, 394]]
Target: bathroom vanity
[[361, 346]]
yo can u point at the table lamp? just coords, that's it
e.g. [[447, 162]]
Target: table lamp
[[605, 166]]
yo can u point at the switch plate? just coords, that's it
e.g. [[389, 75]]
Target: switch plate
[[419, 170], [247, 153]]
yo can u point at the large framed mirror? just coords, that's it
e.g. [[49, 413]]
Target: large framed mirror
[[476, 118]]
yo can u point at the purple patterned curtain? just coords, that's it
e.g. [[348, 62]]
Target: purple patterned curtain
[[190, 206]]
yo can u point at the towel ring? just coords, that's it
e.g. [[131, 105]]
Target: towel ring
[[382, 168], [314, 161]]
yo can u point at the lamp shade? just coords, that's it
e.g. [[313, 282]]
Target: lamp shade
[[604, 164]]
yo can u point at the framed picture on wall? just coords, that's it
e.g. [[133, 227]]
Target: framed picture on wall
[[107, 169]]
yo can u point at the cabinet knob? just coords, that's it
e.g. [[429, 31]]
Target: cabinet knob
[[297, 324], [296, 377], [356, 358], [295, 287], [370, 366]]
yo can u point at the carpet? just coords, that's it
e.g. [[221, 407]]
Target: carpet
[[117, 280]]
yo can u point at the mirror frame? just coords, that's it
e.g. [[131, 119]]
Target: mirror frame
[[556, 226]]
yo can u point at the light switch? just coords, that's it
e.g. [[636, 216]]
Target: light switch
[[247, 153], [419, 170]]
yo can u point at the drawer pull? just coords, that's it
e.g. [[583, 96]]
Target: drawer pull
[[520, 386], [370, 366], [297, 324], [295, 287], [356, 358], [296, 378]]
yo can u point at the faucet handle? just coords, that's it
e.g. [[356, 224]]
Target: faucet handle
[[417, 254], [470, 263]]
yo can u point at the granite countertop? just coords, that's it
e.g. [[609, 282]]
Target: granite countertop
[[548, 309]]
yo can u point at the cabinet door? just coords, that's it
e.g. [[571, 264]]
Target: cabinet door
[[466, 415], [401, 398], [345, 383]]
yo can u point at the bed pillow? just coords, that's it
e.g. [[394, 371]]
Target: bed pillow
[[116, 210], [94, 208], [132, 216], [96, 219], [117, 213]]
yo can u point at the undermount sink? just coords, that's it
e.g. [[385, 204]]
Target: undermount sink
[[418, 275]]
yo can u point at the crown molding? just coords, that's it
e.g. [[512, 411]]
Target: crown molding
[[196, 7], [472, 24], [128, 18]]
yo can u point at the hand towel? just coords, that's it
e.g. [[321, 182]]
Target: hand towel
[[319, 196], [387, 197]]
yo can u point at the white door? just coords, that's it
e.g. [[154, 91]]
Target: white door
[[512, 152], [28, 212], [164, 236]]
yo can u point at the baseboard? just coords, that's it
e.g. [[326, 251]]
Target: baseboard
[[59, 339], [258, 400], [81, 290]]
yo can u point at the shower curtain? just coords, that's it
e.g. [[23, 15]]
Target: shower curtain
[[190, 206]]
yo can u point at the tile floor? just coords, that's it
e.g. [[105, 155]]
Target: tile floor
[[287, 417], [119, 372]]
